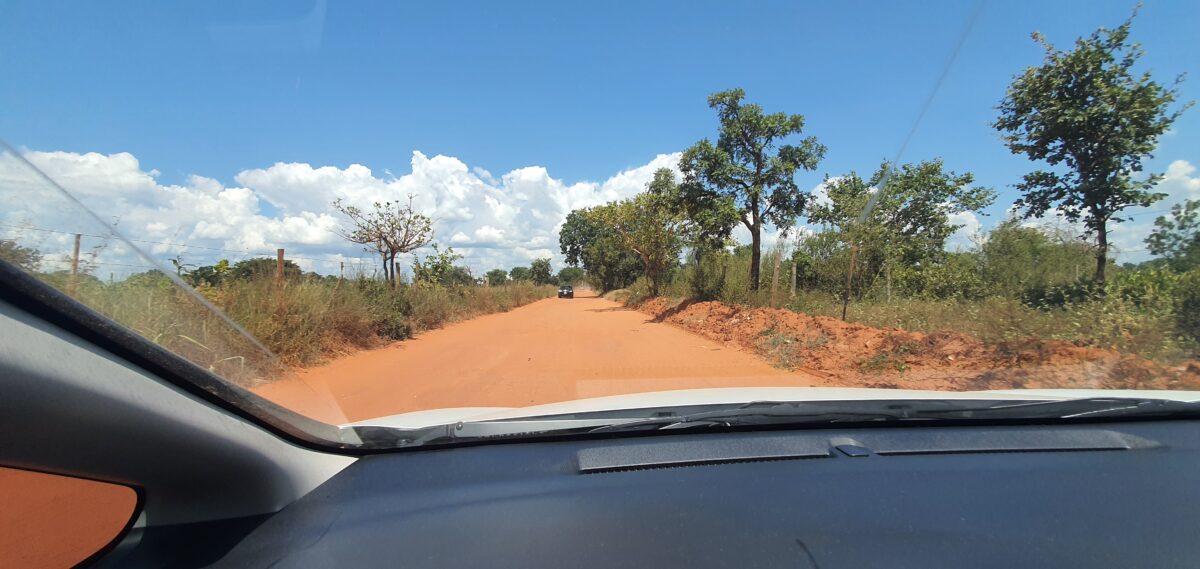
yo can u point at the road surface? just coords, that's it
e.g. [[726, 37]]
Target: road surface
[[548, 351]]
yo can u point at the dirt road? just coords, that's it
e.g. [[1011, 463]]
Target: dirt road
[[548, 351]]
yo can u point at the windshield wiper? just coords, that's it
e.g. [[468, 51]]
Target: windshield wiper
[[764, 413], [783, 414]]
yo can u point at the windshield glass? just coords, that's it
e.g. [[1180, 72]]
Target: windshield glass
[[413, 215]]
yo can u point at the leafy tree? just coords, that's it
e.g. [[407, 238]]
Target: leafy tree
[[519, 274], [910, 221], [438, 268], [1017, 258], [748, 176], [212, 275], [1089, 116], [650, 225], [539, 271], [1177, 238], [571, 275], [585, 239], [497, 277], [263, 268], [388, 230], [26, 258]]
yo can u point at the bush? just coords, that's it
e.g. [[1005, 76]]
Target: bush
[[1186, 304]]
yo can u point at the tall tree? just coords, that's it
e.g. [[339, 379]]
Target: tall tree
[[390, 229], [1088, 115], [519, 273], [497, 277], [748, 176], [1177, 238], [539, 271], [650, 225], [910, 221], [586, 240]]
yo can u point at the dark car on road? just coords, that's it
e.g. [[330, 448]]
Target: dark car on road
[[565, 291]]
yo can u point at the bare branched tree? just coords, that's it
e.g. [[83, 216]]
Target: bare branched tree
[[388, 230]]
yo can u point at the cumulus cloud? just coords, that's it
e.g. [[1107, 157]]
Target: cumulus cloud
[[493, 221], [1180, 183]]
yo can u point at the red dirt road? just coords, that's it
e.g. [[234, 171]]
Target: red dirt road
[[548, 351]]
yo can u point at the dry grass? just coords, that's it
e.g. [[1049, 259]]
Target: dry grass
[[305, 323]]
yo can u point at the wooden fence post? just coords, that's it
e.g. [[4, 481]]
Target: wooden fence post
[[775, 281], [279, 277], [793, 293], [73, 281]]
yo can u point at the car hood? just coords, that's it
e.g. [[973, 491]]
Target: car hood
[[716, 396]]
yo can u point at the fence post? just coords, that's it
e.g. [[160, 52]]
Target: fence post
[[279, 277], [72, 282], [793, 293], [775, 281]]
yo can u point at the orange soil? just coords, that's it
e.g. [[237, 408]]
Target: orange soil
[[56, 521], [846, 354], [548, 351]]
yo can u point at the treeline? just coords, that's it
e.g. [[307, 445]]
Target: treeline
[[1085, 115]]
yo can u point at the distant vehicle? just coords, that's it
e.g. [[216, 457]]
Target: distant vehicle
[[565, 291]]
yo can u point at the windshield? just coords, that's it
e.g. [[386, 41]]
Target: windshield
[[413, 215]]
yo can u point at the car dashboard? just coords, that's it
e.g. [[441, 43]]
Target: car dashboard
[[1084, 495]]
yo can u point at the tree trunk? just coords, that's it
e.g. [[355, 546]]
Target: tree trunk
[[755, 255], [1101, 252]]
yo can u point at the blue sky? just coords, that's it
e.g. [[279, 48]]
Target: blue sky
[[585, 90]]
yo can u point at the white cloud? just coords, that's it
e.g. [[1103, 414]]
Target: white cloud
[[1128, 238], [493, 221]]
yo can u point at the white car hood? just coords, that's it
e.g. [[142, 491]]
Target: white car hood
[[714, 396]]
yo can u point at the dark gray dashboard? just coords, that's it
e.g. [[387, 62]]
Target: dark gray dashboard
[[1103, 495]]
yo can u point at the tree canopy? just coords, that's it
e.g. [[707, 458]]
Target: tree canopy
[[1177, 237], [748, 176], [388, 230], [539, 271], [1089, 116]]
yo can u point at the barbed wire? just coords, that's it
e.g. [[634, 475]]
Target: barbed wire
[[182, 245]]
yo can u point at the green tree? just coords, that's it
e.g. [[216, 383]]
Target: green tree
[[585, 239], [748, 176], [1017, 258], [909, 223], [519, 274], [539, 271], [651, 226], [1088, 115], [263, 268], [438, 268], [26, 258], [571, 275], [497, 277], [1177, 238], [210, 275]]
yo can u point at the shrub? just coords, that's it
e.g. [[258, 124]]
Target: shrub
[[1186, 304]]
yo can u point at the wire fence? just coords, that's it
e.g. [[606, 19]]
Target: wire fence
[[109, 251]]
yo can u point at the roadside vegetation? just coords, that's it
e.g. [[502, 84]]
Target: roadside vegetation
[[874, 250]]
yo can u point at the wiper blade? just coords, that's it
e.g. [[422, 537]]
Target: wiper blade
[[782, 413], [800, 413]]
